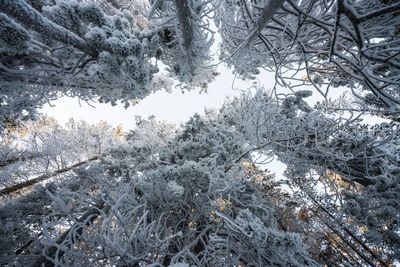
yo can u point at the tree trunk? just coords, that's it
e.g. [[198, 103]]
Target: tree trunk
[[265, 16], [6, 162], [23, 185], [184, 18]]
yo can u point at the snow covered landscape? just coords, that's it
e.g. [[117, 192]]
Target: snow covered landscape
[[184, 133]]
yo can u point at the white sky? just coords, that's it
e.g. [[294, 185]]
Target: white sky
[[175, 107]]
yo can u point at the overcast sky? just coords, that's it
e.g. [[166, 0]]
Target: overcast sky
[[175, 107]]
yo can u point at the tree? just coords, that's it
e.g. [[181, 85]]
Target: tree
[[90, 50], [320, 43], [71, 48], [188, 40], [312, 145], [187, 209], [45, 156], [106, 49], [194, 195], [43, 149], [22, 216], [195, 190]]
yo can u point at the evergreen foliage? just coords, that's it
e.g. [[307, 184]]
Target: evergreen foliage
[[197, 195]]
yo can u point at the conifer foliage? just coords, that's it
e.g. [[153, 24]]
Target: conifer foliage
[[198, 194]]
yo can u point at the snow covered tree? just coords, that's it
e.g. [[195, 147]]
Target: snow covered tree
[[171, 196], [194, 195], [188, 39], [103, 50], [38, 156], [43, 149], [108, 49], [188, 209], [312, 145], [325, 44]]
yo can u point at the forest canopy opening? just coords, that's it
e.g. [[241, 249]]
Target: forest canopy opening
[[196, 194]]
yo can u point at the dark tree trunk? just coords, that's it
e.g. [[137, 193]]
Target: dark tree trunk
[[23, 185]]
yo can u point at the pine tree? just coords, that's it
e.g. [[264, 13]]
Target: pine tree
[[323, 44], [187, 209]]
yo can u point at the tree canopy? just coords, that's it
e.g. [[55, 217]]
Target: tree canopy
[[199, 194], [108, 49]]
